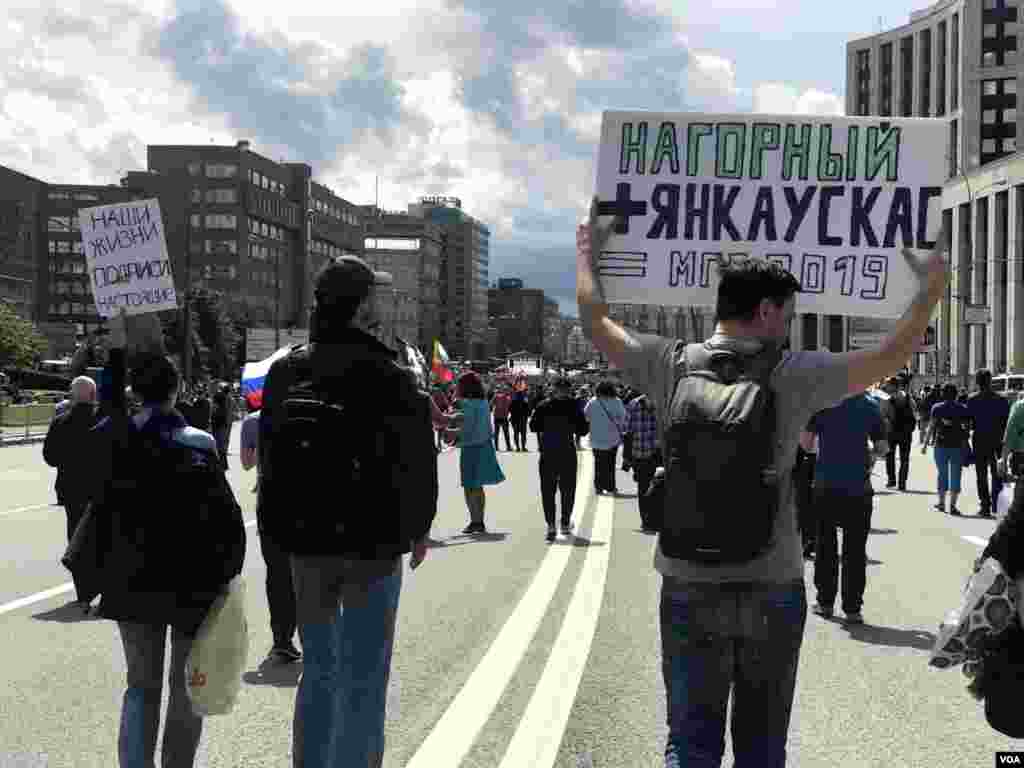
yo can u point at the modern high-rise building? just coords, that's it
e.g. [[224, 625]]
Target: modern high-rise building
[[465, 264], [21, 201], [410, 248], [960, 61], [518, 314]]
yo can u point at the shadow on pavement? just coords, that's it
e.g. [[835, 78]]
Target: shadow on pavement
[[69, 613], [883, 531], [624, 495], [275, 674], [919, 493], [572, 540], [465, 538], [875, 562], [895, 638]]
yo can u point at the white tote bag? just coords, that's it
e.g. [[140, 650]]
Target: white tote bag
[[1004, 501], [214, 667]]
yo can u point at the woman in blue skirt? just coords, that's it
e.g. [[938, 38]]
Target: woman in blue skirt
[[478, 462]]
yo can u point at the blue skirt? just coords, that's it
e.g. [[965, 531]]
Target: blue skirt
[[479, 466]]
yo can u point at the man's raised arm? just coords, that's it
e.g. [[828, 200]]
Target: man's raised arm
[[608, 336]]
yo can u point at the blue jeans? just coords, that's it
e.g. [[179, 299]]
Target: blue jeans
[[346, 617], [722, 638], [144, 649], [950, 462]]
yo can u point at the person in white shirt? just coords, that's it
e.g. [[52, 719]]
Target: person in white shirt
[[607, 417]]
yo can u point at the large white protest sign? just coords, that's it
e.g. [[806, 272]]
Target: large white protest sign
[[126, 254], [832, 200]]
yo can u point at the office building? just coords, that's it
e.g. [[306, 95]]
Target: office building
[[256, 229], [21, 202], [410, 248], [465, 264], [960, 61], [518, 315]]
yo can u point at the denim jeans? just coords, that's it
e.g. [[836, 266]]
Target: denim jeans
[[347, 627], [722, 638], [950, 463], [144, 647]]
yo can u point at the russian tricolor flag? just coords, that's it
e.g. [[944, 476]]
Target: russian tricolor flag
[[254, 374]]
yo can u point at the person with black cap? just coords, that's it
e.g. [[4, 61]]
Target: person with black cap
[[345, 427]]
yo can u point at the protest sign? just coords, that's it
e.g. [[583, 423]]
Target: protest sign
[[833, 200], [126, 253]]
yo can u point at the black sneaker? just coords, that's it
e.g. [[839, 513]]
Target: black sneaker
[[551, 533], [285, 654], [825, 611], [475, 528], [566, 527], [891, 484], [955, 512]]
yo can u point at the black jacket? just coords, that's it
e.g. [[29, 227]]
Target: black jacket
[[391, 425], [558, 422], [67, 447], [158, 565]]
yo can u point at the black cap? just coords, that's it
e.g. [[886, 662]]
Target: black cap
[[347, 278]]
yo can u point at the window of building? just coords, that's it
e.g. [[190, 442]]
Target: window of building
[[907, 64], [926, 73], [194, 168], [196, 221], [220, 246], [223, 196], [954, 62], [197, 195], [86, 197], [221, 171], [999, 39], [885, 85], [954, 147], [221, 221], [58, 224], [998, 118], [58, 195]]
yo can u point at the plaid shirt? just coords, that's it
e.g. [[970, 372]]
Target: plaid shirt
[[642, 424]]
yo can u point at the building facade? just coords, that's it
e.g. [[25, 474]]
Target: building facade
[[21, 201], [518, 315], [410, 248], [959, 60], [465, 265]]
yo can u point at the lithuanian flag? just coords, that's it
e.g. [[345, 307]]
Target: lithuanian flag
[[439, 365]]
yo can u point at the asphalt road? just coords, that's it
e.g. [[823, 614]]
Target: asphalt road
[[511, 652]]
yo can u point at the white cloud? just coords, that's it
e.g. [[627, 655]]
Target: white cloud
[[710, 80], [779, 98]]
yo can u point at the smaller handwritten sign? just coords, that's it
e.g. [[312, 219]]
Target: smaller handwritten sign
[[126, 253]]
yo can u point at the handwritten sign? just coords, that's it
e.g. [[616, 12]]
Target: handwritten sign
[[832, 200], [126, 253]]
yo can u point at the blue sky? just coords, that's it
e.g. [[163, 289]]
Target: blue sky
[[494, 101]]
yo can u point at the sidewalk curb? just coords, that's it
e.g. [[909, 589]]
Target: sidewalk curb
[[22, 440]]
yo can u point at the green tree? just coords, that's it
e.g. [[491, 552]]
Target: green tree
[[215, 338], [20, 341]]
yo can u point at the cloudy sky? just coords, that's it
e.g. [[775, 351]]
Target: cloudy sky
[[495, 101]]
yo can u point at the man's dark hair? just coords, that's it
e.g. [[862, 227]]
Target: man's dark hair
[[606, 389], [744, 285], [472, 386], [563, 382], [983, 378], [155, 379], [949, 392]]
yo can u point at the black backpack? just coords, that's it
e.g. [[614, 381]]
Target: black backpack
[[317, 440], [720, 437]]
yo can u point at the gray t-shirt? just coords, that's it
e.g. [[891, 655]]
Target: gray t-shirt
[[804, 383]]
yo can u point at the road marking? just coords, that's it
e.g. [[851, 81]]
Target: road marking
[[458, 728], [39, 597], [977, 540], [540, 731], [25, 509]]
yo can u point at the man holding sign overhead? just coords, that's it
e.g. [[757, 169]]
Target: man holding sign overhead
[[790, 212]]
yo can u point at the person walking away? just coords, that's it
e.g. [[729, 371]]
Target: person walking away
[[68, 448], [278, 583], [558, 422], [747, 606], [315, 482], [478, 463], [172, 539], [901, 433], [948, 433], [642, 425], [843, 498], [519, 412], [501, 405], [607, 417], [925, 402], [222, 419], [990, 413]]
